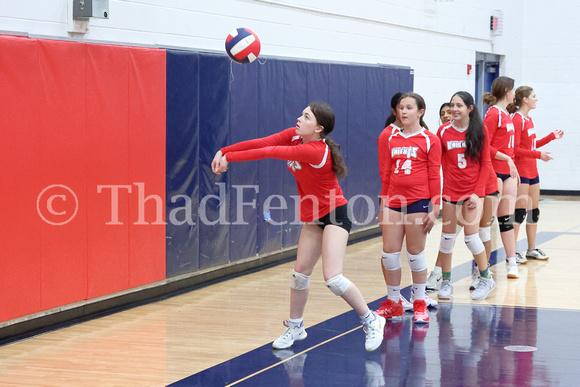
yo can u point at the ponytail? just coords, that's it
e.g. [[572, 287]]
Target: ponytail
[[325, 117], [338, 165], [474, 137]]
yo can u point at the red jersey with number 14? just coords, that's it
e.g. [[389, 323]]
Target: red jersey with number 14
[[461, 175], [310, 163], [413, 165], [500, 128]]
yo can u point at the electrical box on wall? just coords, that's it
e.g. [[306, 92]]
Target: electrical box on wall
[[84, 9]]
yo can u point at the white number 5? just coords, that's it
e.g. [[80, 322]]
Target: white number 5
[[461, 161]]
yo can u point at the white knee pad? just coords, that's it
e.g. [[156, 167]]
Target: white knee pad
[[391, 261], [447, 243], [417, 262], [299, 281], [338, 285], [474, 244], [485, 234]]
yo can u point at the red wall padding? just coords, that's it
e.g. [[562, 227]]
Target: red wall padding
[[80, 116]]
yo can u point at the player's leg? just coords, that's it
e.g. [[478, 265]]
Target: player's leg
[[532, 223], [520, 214], [308, 252], [334, 242], [446, 245], [505, 215], [415, 240], [393, 234]]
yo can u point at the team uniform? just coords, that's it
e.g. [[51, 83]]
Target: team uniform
[[526, 145], [411, 171], [500, 129], [383, 143], [311, 165], [461, 175]]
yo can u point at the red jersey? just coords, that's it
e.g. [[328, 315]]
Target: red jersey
[[500, 128], [413, 164], [526, 145], [383, 143], [310, 163], [461, 175]]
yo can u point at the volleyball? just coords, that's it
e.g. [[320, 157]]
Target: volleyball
[[243, 45]]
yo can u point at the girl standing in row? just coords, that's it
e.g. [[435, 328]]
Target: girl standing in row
[[411, 177], [526, 155]]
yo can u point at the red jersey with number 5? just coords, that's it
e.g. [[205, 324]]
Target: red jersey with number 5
[[500, 128], [413, 164], [461, 175]]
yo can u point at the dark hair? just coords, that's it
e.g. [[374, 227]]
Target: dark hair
[[521, 93], [499, 88], [474, 137], [394, 102], [325, 117], [420, 105], [445, 104]]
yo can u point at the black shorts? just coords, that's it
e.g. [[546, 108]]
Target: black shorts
[[422, 205], [337, 217], [503, 176], [458, 203], [525, 180]]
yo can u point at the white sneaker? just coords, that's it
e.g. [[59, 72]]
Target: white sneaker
[[374, 332], [407, 306], [521, 259], [434, 281], [512, 271], [485, 286], [475, 276], [446, 291], [537, 254], [291, 334]]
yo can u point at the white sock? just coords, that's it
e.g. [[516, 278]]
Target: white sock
[[419, 290], [368, 317], [295, 321], [394, 293], [512, 260], [437, 270]]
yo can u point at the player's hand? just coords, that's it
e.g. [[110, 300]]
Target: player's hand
[[430, 219], [514, 170], [558, 133], [223, 164], [216, 162], [473, 201], [546, 156]]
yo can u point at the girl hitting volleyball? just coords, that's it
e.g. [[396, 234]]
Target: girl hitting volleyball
[[528, 196], [500, 128], [315, 161], [411, 178], [466, 164]]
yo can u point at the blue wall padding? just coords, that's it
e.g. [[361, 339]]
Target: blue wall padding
[[212, 102], [182, 161]]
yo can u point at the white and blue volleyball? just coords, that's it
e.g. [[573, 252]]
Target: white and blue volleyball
[[243, 45]]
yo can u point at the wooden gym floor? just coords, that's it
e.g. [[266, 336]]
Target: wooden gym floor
[[523, 334]]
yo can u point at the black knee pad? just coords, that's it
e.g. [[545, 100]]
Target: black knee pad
[[534, 216], [506, 223], [520, 215]]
